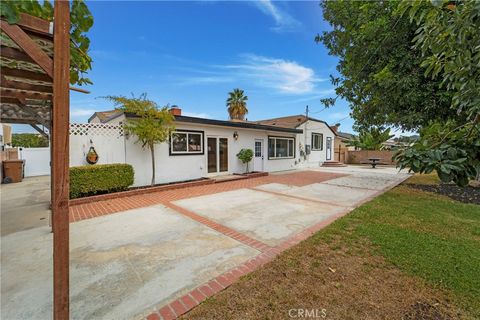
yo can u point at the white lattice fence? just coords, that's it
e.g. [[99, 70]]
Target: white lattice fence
[[95, 129]]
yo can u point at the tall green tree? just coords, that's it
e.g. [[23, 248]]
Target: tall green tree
[[379, 72], [150, 125], [237, 104], [371, 139], [29, 140], [413, 65], [448, 36], [81, 21]]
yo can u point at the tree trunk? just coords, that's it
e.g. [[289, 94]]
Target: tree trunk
[[152, 150]]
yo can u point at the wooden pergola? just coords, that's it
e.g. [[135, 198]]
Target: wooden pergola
[[35, 69]]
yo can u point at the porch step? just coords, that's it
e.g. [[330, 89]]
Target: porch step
[[333, 164]]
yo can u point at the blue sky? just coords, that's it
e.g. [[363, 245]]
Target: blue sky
[[193, 53]]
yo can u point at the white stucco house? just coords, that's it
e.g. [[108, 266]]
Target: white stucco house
[[316, 140], [206, 147]]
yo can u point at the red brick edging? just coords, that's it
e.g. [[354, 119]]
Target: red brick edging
[[140, 191]]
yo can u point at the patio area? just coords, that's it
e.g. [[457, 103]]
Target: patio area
[[160, 254]]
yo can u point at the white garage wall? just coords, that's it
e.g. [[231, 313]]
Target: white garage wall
[[37, 161]]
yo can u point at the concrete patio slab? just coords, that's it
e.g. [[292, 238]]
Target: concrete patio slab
[[266, 217], [338, 195], [366, 181], [122, 265], [25, 205]]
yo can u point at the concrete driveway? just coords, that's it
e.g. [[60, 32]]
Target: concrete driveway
[[174, 250]]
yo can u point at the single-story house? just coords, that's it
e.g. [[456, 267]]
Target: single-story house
[[206, 147], [316, 140]]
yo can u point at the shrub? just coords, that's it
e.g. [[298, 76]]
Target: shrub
[[99, 179], [245, 155]]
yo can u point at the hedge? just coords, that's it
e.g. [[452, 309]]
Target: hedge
[[98, 179]]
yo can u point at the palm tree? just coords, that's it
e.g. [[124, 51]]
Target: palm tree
[[237, 104]]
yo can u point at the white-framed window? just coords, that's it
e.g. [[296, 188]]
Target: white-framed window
[[317, 141], [281, 148], [184, 142]]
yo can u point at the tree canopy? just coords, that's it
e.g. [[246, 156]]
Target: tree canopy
[[151, 125], [237, 104], [379, 72], [414, 65], [371, 139], [81, 21], [29, 140]]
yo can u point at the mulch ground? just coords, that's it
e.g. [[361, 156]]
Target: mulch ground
[[335, 281], [468, 194]]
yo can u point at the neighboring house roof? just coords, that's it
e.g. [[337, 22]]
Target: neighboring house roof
[[345, 135], [105, 116], [290, 121], [226, 123]]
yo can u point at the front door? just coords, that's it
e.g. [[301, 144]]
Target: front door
[[258, 156], [217, 155], [329, 148]]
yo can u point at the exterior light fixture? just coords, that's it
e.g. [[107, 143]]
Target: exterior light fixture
[[235, 135]]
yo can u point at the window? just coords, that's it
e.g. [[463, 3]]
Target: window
[[258, 149], [317, 141], [281, 148], [186, 142]]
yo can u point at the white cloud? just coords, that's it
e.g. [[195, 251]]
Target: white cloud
[[282, 75], [196, 115], [283, 20], [77, 112]]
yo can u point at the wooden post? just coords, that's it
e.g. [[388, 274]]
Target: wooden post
[[60, 159]]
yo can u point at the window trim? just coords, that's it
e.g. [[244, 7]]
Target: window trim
[[186, 153], [281, 137], [321, 146]]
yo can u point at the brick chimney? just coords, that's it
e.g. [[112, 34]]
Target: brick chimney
[[175, 110], [335, 127]]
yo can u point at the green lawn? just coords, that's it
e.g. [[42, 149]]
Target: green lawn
[[423, 234], [394, 257]]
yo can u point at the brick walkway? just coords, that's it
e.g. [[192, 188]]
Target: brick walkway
[[99, 208]]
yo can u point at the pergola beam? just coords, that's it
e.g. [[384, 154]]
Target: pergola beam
[[24, 74], [22, 95], [43, 133], [35, 25], [60, 159], [28, 45], [19, 85]]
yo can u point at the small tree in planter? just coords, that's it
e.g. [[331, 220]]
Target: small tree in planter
[[245, 155], [151, 125]]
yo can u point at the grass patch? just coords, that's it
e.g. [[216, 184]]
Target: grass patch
[[407, 254]]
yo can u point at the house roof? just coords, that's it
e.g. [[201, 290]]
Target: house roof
[[105, 115], [345, 135], [226, 123], [290, 121]]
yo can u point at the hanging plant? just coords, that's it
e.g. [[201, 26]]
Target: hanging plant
[[92, 156]]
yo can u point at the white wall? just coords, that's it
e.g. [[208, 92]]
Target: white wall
[[37, 161], [170, 168], [316, 157], [108, 141]]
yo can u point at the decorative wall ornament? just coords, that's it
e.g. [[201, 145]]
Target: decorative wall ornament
[[92, 156]]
